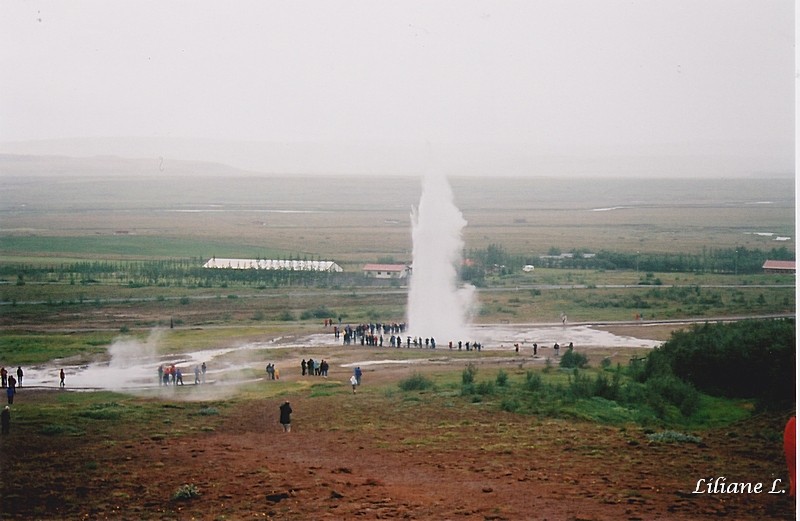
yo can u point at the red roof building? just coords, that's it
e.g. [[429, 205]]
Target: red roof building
[[386, 271], [776, 266]]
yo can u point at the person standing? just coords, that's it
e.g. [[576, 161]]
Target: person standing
[[303, 367], [196, 374], [203, 370], [789, 449], [4, 376], [61, 376], [5, 419], [357, 374], [19, 376], [160, 374], [286, 416], [10, 392]]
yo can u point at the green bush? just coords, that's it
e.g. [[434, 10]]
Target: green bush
[[533, 381], [485, 388], [746, 359], [416, 382], [572, 359], [502, 378], [672, 390], [186, 492], [317, 312], [468, 374]]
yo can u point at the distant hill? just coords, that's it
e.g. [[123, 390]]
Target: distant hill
[[47, 165], [212, 157]]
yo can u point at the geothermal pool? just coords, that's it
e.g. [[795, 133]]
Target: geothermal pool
[[132, 365]]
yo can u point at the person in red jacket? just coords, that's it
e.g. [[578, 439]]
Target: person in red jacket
[[789, 442]]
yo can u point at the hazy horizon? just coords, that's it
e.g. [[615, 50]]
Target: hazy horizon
[[578, 88], [66, 161]]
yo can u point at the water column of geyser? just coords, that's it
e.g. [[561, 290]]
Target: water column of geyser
[[438, 305]]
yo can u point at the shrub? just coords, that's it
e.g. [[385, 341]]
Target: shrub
[[572, 359], [186, 492], [485, 388], [468, 374], [416, 382], [510, 404], [747, 359], [317, 312], [502, 378], [533, 381], [672, 390]]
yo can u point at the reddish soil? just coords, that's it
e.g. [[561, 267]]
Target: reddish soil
[[385, 456]]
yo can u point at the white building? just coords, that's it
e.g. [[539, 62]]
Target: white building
[[266, 264]]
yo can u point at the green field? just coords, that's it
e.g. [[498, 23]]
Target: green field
[[113, 253]]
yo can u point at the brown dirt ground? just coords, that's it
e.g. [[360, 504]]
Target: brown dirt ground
[[420, 462], [378, 455]]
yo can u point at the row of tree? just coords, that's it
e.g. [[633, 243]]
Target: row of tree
[[741, 260], [491, 260]]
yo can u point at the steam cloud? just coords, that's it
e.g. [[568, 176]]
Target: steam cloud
[[438, 306]]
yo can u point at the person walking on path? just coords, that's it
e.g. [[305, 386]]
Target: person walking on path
[[19, 376], [286, 416], [61, 375]]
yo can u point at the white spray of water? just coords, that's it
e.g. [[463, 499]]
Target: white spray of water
[[128, 351], [132, 363], [438, 305]]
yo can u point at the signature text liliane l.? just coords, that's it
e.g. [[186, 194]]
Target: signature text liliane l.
[[720, 485]]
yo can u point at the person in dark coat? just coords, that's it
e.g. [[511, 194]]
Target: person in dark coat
[[286, 420]]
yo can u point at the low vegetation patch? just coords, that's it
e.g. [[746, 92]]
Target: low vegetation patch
[[673, 437], [416, 382], [186, 492]]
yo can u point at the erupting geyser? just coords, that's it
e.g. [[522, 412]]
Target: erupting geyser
[[438, 305]]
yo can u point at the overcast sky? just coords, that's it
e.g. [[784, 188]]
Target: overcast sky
[[692, 87]]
